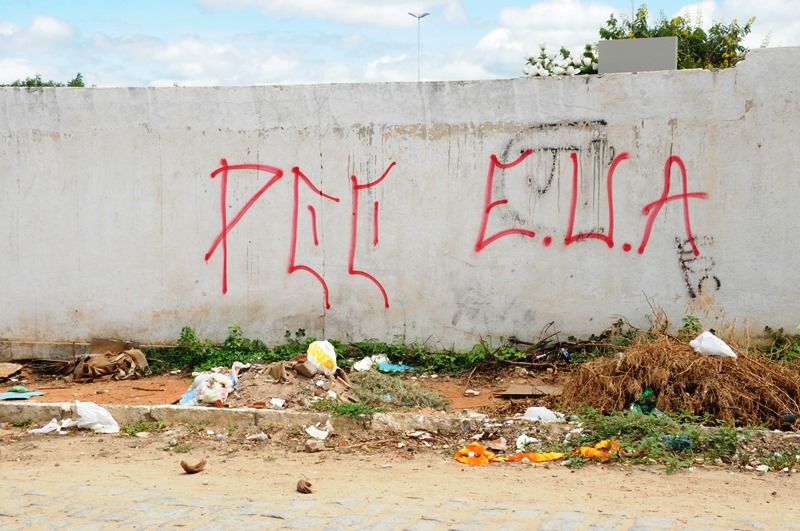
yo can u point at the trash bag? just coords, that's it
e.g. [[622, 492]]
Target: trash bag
[[708, 343], [96, 418], [322, 356]]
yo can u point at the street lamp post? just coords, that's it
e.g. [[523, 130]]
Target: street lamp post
[[419, 17]]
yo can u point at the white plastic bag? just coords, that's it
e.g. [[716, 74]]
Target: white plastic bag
[[708, 343], [96, 418], [322, 357], [543, 415]]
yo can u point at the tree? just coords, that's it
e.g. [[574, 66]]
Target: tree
[[720, 47], [37, 81]]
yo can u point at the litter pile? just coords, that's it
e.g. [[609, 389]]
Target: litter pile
[[749, 389]]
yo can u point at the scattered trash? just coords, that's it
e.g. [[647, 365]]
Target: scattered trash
[[677, 443], [365, 364], [7, 370], [524, 440], [394, 367], [535, 457], [109, 365], [646, 403], [314, 445], [142, 434], [421, 435], [54, 426], [95, 418], [19, 392], [602, 451], [322, 357], [498, 445], [471, 392], [212, 387], [258, 437], [277, 402], [474, 454], [304, 486], [317, 433], [708, 343], [762, 469], [193, 469], [543, 415]]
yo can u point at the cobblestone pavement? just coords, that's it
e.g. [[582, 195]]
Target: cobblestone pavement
[[96, 483]]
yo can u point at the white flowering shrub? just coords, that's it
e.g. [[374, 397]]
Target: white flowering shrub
[[563, 63]]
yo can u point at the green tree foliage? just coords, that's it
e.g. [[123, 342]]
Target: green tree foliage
[[719, 47], [37, 81]]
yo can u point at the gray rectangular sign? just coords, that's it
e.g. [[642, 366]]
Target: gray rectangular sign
[[637, 55]]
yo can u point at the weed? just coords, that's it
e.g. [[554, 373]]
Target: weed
[[142, 425], [22, 423], [182, 448], [691, 327], [782, 347], [779, 460], [377, 390]]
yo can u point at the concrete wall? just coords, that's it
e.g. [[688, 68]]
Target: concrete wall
[[107, 206]]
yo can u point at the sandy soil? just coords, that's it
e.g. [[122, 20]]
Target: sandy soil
[[269, 471], [162, 389]]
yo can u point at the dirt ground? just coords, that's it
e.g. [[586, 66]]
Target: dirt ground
[[387, 479], [167, 388]]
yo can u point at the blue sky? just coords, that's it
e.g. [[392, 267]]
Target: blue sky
[[247, 42]]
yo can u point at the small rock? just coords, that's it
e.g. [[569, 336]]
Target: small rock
[[258, 437], [220, 437], [314, 445], [143, 434], [205, 482], [471, 392], [173, 442], [762, 469]]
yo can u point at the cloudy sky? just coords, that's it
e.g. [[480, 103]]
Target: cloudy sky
[[247, 42]]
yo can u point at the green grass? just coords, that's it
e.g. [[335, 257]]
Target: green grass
[[645, 438], [182, 448], [142, 425]]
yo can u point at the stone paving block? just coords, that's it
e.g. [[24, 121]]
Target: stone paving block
[[649, 523], [128, 414], [207, 416], [605, 523], [562, 521], [39, 413], [272, 418]]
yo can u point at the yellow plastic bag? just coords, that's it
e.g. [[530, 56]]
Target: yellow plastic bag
[[536, 457], [322, 357], [602, 451]]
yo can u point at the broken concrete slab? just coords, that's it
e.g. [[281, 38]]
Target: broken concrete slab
[[8, 370], [222, 417], [35, 412]]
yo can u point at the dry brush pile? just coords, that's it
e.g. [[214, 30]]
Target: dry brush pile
[[749, 390]]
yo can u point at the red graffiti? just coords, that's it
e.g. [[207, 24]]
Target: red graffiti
[[222, 237], [313, 224], [573, 204], [482, 242], [651, 210], [293, 265], [351, 269]]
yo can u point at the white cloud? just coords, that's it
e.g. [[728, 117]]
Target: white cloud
[[7, 29], [14, 68], [569, 23], [778, 19], [390, 68], [385, 13], [50, 28]]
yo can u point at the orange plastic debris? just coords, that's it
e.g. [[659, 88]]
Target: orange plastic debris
[[541, 457], [474, 454], [601, 451]]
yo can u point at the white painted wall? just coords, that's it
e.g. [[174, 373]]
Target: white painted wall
[[107, 207]]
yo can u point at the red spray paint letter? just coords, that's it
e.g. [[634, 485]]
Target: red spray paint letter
[[482, 242], [293, 265], [222, 237], [573, 204], [651, 210], [351, 268]]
